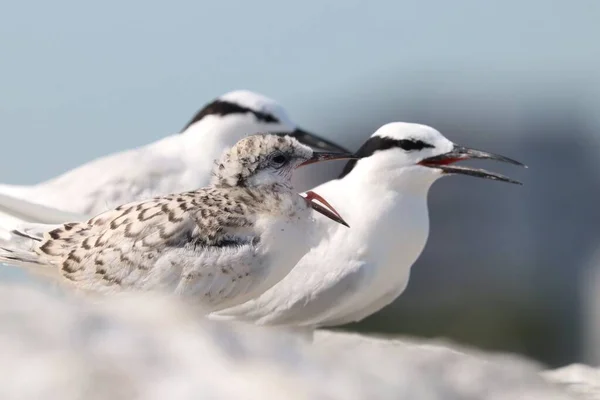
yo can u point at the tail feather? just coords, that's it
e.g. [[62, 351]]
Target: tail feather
[[19, 249], [14, 211], [35, 212], [16, 191], [26, 235], [24, 259], [13, 257]]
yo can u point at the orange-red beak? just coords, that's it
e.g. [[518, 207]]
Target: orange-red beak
[[326, 209], [444, 162]]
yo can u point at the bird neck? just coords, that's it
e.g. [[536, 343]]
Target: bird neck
[[375, 199], [272, 199], [223, 131], [389, 219]]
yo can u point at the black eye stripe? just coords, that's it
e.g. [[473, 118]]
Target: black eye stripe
[[378, 143], [412, 144], [221, 107]]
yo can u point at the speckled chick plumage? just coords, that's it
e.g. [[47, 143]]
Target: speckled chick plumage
[[220, 245]]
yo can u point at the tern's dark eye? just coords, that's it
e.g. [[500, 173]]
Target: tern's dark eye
[[278, 159]]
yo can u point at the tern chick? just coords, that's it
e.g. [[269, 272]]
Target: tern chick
[[220, 245]]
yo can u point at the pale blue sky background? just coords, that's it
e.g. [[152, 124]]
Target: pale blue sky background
[[82, 79]]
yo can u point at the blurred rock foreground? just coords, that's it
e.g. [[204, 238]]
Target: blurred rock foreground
[[142, 347]]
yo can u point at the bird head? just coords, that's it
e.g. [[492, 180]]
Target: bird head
[[241, 113], [419, 153], [268, 161]]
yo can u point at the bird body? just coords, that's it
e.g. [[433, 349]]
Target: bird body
[[101, 184], [389, 245], [220, 245], [338, 276], [353, 273], [184, 244]]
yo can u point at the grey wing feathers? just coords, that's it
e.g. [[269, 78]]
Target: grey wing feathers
[[110, 246], [80, 245], [122, 248]]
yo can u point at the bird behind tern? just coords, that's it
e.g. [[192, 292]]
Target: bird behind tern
[[220, 245], [176, 163], [354, 273]]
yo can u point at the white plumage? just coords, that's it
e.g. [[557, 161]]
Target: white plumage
[[355, 272]]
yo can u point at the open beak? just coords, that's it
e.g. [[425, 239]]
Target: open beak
[[316, 142], [326, 209], [458, 153], [319, 156]]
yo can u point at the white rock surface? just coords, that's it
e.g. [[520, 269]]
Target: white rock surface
[[577, 378], [142, 347]]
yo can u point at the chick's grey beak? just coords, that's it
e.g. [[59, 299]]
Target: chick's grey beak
[[327, 209], [458, 153], [316, 142], [320, 156]]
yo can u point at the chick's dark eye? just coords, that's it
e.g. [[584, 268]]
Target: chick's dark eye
[[279, 159]]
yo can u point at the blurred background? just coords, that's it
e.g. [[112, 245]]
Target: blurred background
[[506, 267]]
